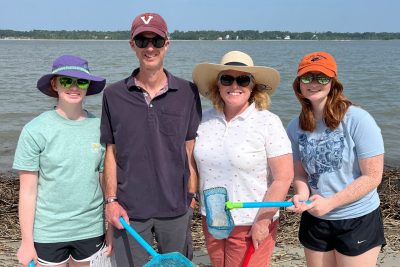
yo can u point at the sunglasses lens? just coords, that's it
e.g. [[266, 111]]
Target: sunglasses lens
[[66, 82], [323, 80], [226, 80], [141, 42], [158, 42], [82, 83], [243, 80], [306, 79]]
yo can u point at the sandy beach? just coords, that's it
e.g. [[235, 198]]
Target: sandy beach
[[288, 251], [284, 256]]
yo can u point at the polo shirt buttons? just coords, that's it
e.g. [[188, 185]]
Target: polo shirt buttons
[[151, 105]]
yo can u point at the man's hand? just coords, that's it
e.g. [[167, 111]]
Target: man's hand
[[113, 212]]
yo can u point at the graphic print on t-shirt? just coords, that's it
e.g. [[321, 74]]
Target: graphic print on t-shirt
[[321, 155]]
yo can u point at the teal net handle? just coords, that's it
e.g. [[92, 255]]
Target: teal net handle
[[138, 238], [270, 204], [31, 264]]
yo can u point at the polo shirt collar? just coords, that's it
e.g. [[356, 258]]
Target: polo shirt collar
[[173, 82], [244, 115]]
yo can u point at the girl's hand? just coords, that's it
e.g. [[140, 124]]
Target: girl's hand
[[26, 253], [299, 204], [109, 240], [319, 205]]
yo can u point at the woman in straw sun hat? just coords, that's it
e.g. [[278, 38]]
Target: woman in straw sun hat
[[338, 162], [59, 159], [243, 147]]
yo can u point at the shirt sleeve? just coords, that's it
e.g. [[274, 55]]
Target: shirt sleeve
[[366, 135], [106, 133], [101, 164], [277, 141], [27, 153], [293, 137], [195, 116]]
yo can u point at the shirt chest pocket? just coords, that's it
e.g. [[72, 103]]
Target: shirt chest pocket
[[170, 123]]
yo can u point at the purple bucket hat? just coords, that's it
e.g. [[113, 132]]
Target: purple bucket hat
[[72, 66]]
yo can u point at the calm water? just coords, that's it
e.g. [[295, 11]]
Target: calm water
[[369, 70]]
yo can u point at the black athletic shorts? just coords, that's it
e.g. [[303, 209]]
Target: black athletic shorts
[[350, 237], [58, 253]]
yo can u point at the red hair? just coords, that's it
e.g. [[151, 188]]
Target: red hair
[[335, 108]]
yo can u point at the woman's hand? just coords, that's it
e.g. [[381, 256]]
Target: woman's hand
[[26, 253], [259, 232]]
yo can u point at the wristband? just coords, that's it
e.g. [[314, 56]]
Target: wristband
[[111, 199]]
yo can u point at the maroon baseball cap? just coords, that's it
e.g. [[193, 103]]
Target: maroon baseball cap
[[149, 22]]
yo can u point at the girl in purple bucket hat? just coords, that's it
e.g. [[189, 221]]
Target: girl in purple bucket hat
[[60, 159]]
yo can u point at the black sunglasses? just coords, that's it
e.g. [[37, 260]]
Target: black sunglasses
[[143, 42], [242, 80]]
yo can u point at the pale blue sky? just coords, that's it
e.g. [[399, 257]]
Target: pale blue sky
[[184, 15]]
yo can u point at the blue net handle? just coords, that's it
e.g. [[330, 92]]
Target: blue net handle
[[173, 259], [138, 238]]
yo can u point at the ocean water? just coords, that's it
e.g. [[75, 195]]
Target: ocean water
[[369, 70]]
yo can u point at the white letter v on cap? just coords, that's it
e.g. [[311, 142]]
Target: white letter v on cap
[[148, 19]]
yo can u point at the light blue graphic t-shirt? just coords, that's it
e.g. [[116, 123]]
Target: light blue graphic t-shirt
[[330, 158]]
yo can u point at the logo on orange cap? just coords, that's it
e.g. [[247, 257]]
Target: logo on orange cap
[[318, 62]]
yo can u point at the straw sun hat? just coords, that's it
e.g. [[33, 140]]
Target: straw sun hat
[[206, 74]]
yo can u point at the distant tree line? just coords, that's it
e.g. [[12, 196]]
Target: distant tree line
[[201, 35]]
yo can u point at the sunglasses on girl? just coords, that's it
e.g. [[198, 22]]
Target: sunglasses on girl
[[143, 42], [309, 78], [67, 82], [242, 80]]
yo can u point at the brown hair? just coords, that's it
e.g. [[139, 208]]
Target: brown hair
[[335, 108], [258, 95]]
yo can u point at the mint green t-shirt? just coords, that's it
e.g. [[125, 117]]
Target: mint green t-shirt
[[68, 157]]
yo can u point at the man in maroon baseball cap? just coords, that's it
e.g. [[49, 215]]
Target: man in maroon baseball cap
[[149, 22], [149, 123]]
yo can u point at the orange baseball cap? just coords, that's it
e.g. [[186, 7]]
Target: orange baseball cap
[[318, 61]]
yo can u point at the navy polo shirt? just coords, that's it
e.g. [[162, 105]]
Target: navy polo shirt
[[152, 165]]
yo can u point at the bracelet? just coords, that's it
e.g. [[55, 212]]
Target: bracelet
[[110, 200], [196, 196]]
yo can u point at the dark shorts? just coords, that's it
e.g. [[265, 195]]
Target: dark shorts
[[350, 237], [58, 253]]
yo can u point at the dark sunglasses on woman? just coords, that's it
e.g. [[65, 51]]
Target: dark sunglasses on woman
[[242, 80]]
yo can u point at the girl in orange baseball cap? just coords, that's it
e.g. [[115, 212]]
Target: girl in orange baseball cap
[[338, 161]]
